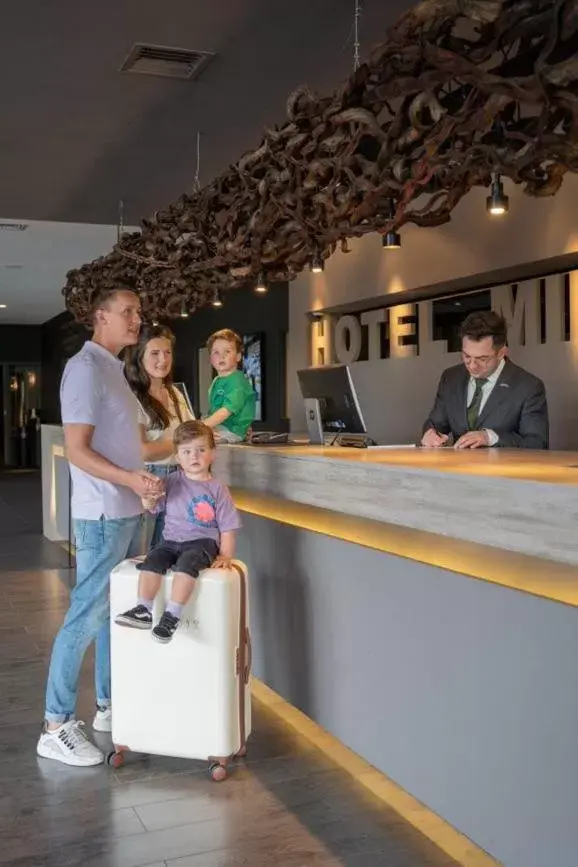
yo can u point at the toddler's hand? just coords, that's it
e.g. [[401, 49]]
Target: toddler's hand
[[150, 501]]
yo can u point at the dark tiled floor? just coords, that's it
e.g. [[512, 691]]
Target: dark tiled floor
[[286, 804], [21, 544]]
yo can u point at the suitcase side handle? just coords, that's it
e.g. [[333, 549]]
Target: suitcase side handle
[[248, 655]]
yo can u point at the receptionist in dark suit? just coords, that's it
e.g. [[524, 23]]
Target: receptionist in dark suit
[[488, 400]]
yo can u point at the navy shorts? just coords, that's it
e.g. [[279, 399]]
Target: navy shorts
[[187, 557]]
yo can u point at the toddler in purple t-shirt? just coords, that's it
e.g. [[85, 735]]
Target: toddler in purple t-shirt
[[199, 531]]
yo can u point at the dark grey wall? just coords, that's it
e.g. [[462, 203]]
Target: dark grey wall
[[20, 343], [463, 692], [244, 311], [61, 338]]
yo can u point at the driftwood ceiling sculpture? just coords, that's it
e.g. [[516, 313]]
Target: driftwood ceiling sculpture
[[459, 90]]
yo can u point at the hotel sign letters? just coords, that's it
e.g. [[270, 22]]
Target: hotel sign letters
[[409, 327]]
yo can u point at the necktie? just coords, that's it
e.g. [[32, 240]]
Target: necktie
[[474, 407]]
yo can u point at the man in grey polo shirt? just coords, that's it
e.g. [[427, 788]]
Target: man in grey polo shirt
[[101, 420]]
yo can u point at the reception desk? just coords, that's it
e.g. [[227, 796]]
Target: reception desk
[[422, 607]]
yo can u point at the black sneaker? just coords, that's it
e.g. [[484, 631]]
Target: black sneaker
[[165, 628], [138, 617]]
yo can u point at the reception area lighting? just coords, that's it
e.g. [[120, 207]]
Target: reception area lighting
[[261, 284], [497, 203], [391, 241]]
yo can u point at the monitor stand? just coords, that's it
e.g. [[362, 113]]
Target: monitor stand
[[317, 437], [313, 419], [355, 441]]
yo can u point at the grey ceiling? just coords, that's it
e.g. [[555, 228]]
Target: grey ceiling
[[76, 135]]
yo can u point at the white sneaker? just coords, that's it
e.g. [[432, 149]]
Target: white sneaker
[[69, 744], [102, 721]]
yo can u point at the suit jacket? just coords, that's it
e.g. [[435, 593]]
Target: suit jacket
[[516, 409]]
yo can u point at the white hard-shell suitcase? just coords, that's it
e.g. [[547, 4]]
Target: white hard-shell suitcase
[[190, 698]]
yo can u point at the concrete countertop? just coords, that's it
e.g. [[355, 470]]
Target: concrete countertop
[[514, 500]]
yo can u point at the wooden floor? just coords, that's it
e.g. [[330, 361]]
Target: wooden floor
[[286, 804]]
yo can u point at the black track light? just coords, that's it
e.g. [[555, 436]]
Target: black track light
[[317, 264], [261, 284], [391, 241], [497, 203]]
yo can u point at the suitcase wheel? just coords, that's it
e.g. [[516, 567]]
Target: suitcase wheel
[[218, 772], [115, 760]]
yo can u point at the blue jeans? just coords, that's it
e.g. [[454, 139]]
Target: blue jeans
[[154, 524], [100, 546]]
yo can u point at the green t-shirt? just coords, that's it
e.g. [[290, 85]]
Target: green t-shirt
[[235, 393]]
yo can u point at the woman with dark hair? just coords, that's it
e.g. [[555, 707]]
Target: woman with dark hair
[[148, 369]]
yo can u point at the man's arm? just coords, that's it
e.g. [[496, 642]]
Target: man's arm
[[436, 429], [533, 430], [438, 417], [79, 452]]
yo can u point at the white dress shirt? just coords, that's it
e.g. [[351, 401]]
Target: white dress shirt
[[487, 389]]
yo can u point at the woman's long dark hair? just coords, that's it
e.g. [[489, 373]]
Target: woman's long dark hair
[[140, 381]]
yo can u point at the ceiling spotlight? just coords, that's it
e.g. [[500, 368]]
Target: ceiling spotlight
[[497, 203], [2, 306], [317, 264], [391, 241], [217, 299], [261, 284]]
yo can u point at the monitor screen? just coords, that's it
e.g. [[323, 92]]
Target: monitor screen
[[333, 388], [183, 390], [253, 368]]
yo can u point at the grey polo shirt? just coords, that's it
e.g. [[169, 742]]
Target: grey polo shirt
[[94, 391]]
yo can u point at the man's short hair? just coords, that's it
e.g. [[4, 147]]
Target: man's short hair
[[228, 335], [485, 323], [100, 298]]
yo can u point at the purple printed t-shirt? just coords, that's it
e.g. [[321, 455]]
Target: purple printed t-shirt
[[196, 510]]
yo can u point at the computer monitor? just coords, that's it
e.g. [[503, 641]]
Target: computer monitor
[[183, 390], [331, 405]]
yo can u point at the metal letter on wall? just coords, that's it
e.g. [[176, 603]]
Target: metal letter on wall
[[428, 347], [573, 278], [554, 295], [322, 341], [373, 320], [523, 315], [347, 350], [399, 329]]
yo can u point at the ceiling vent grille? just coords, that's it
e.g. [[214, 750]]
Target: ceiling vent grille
[[167, 62]]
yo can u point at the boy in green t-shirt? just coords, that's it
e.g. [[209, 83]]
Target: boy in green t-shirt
[[231, 395]]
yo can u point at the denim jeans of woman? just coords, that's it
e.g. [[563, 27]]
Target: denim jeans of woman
[[100, 546], [153, 524]]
